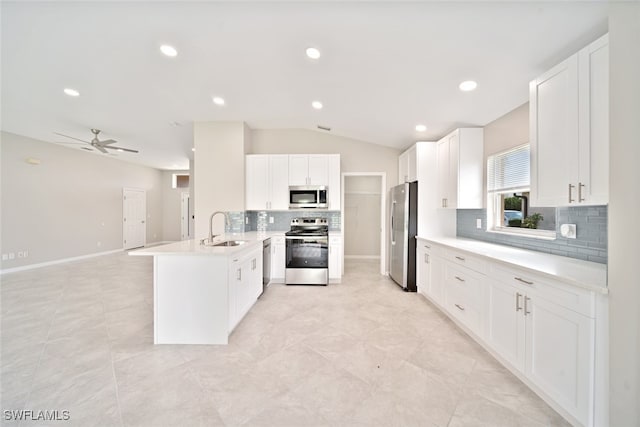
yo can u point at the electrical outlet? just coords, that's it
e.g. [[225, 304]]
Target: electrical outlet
[[26, 254], [246, 220], [479, 223], [271, 220], [5, 257], [20, 254], [12, 255], [99, 243]]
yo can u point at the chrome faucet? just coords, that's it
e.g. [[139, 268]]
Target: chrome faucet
[[227, 222]]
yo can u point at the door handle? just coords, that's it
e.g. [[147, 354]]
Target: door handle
[[571, 186], [239, 274], [518, 296], [526, 305], [580, 187]]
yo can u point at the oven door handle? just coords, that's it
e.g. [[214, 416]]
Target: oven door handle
[[308, 238]]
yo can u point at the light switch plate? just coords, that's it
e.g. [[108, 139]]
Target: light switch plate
[[478, 223], [568, 231], [271, 220]]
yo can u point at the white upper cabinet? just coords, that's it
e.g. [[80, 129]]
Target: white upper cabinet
[[335, 194], [460, 166], [408, 166], [569, 130], [267, 182], [268, 177], [308, 169]]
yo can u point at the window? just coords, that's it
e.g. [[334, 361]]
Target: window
[[508, 207], [180, 181]]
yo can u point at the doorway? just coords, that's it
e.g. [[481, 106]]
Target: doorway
[[363, 216], [134, 213]]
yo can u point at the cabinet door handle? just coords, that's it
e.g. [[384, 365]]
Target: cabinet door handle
[[460, 258], [446, 203], [459, 279], [427, 246], [518, 296], [426, 258], [571, 187], [239, 274], [526, 282], [580, 186], [526, 305], [459, 307]]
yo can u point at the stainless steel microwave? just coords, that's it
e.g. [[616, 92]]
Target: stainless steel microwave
[[308, 196]]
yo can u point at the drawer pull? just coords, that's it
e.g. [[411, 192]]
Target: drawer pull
[[519, 279], [427, 246], [459, 307], [459, 278], [518, 296], [460, 258], [526, 306]]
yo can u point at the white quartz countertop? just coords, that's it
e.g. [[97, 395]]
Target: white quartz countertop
[[193, 247], [585, 274]]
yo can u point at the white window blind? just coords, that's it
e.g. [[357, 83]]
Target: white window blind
[[509, 170]]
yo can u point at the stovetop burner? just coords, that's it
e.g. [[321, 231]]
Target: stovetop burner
[[312, 226]]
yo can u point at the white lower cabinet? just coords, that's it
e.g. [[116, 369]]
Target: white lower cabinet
[[245, 284], [278, 261], [544, 330], [423, 268], [335, 258], [541, 328]]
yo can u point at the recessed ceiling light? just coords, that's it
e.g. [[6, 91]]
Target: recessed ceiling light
[[468, 85], [218, 101], [168, 50], [71, 92], [313, 53], [421, 128], [317, 105]]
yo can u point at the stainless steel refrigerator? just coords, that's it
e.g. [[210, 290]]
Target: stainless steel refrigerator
[[404, 226]]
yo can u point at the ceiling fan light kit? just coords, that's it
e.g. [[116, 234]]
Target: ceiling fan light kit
[[99, 145]]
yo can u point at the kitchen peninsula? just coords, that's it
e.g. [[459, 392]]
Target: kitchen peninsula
[[201, 292]]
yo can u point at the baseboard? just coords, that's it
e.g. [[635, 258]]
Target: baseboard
[[57, 261], [376, 257]]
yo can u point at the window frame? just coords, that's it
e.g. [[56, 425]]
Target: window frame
[[495, 203]]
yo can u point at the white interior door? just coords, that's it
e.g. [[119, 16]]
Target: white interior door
[[134, 213], [185, 232]]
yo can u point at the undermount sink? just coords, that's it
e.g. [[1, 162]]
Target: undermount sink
[[230, 243]]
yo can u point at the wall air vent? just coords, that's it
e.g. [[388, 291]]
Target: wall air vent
[[328, 129]]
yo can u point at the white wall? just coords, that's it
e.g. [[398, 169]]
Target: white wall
[[218, 172], [68, 203], [624, 205], [361, 229], [504, 133]]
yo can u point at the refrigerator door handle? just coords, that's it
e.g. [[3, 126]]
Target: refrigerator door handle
[[393, 205]]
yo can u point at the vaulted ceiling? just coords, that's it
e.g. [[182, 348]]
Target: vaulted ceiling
[[384, 67]]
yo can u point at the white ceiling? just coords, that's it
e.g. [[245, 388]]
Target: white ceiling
[[385, 67]]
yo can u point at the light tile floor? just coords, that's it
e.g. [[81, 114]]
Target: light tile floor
[[78, 337]]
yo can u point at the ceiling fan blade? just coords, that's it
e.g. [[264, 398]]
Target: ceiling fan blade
[[67, 136], [101, 149], [69, 142], [108, 141], [111, 147]]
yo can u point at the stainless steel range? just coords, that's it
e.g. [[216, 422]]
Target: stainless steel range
[[307, 248]]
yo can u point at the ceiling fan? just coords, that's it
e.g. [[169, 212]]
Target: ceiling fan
[[99, 145]]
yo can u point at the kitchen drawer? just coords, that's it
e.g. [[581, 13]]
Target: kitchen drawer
[[579, 300], [464, 259], [465, 279], [430, 248], [463, 306]]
